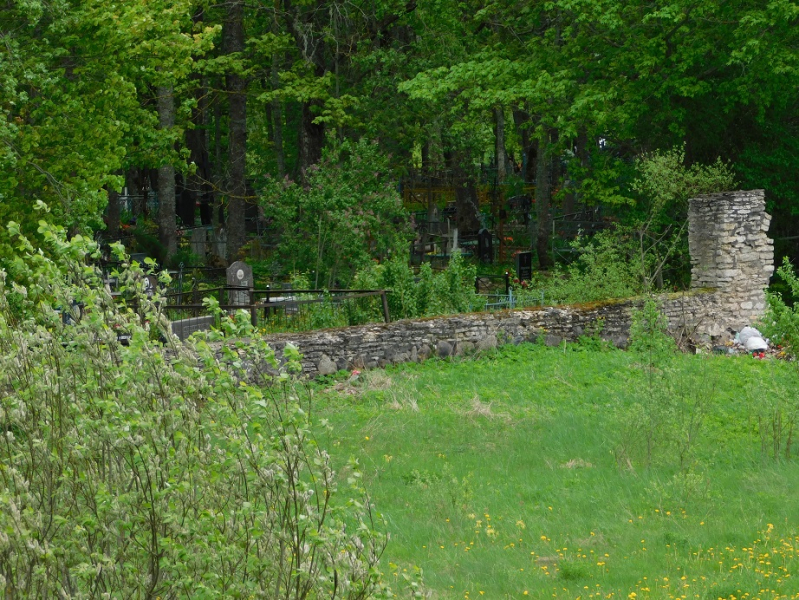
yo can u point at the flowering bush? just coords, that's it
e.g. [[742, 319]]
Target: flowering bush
[[159, 469]]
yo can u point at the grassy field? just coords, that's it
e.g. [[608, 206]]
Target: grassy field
[[558, 473]]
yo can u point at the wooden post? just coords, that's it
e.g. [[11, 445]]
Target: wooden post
[[386, 315], [253, 310]]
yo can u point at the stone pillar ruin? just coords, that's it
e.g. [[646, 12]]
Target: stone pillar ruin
[[731, 252]]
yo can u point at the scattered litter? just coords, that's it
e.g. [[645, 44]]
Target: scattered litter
[[750, 341], [755, 344], [746, 333]]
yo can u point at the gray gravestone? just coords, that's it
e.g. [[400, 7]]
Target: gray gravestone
[[220, 243], [239, 274], [198, 241]]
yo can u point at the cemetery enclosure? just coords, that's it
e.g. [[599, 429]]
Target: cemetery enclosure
[[377, 345], [732, 260]]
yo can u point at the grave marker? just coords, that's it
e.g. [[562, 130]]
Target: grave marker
[[524, 266], [198, 236], [485, 246], [239, 275]]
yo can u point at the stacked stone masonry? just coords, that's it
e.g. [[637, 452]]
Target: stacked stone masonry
[[731, 252], [378, 345], [732, 260]]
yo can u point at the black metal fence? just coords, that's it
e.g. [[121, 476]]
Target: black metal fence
[[274, 311]]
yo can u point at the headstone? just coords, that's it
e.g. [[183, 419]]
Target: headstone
[[198, 241], [220, 243], [239, 275], [524, 266], [150, 285], [183, 328], [485, 246]]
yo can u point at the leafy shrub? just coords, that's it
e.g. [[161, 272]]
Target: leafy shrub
[[649, 334], [447, 292], [668, 416], [781, 322], [159, 470], [664, 185], [346, 213], [605, 268]]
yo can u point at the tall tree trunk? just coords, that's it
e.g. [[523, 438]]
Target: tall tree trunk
[[543, 194], [166, 178], [198, 183], [498, 197], [135, 181], [219, 178], [112, 224], [277, 108], [466, 203], [425, 234], [499, 144], [467, 216], [237, 137], [581, 155], [312, 137]]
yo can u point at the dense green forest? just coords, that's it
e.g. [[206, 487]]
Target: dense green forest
[[235, 112]]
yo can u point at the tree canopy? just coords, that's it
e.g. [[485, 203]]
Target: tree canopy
[[567, 93]]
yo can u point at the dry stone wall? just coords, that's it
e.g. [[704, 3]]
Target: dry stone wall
[[378, 345], [732, 260]]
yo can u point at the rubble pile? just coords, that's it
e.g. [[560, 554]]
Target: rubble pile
[[750, 341]]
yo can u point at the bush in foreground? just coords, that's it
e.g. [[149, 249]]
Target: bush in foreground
[[157, 469]]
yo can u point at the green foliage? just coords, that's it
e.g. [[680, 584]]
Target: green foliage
[[665, 182], [668, 417], [649, 334], [781, 322], [605, 268], [447, 292], [346, 214], [592, 341], [664, 185], [160, 470], [72, 79]]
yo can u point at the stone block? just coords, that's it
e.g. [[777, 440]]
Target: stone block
[[552, 340], [464, 347], [444, 349], [326, 366], [489, 342]]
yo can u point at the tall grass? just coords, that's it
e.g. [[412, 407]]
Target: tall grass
[[499, 477]]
